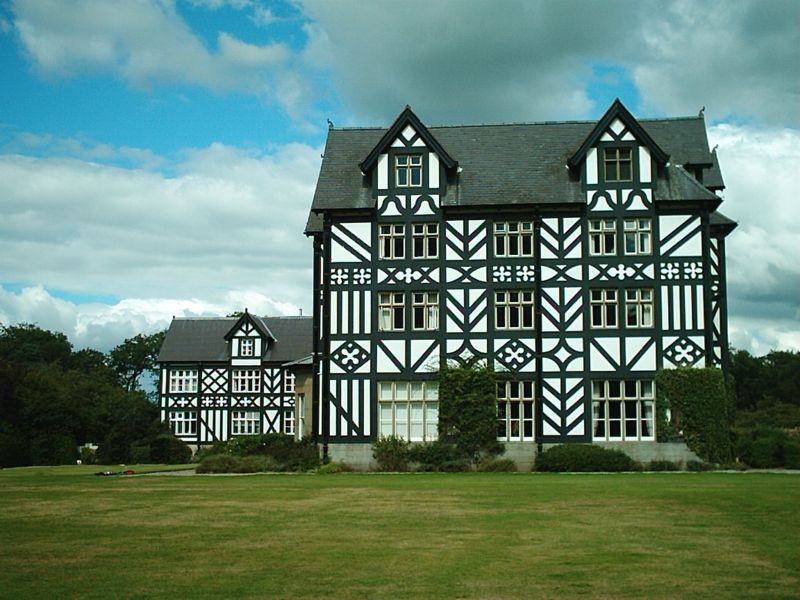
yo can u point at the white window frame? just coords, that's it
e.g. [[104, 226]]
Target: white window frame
[[638, 237], [513, 239], [613, 158], [183, 422], [245, 422], [516, 411], [604, 299], [289, 382], [183, 381], [391, 311], [639, 308], [247, 347], [602, 237], [408, 170], [301, 415], [288, 422], [514, 309], [425, 311], [246, 381], [391, 241], [623, 410], [409, 409], [426, 236]]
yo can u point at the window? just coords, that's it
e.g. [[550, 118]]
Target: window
[[246, 347], [638, 236], [408, 170], [409, 410], [391, 311], [513, 310], [622, 410], [392, 241], [515, 411], [639, 308], [513, 238], [604, 308], [245, 422], [183, 422], [301, 413], [425, 310], [246, 380], [289, 382], [288, 422], [602, 237], [425, 240], [618, 164], [183, 381]]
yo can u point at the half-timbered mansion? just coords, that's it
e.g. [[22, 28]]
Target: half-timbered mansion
[[222, 377], [577, 257]]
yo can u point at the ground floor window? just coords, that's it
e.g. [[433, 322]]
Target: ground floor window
[[288, 422], [622, 410], [245, 422], [301, 413], [409, 409], [183, 422], [515, 411]]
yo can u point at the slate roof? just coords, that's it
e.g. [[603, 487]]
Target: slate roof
[[507, 164], [194, 340]]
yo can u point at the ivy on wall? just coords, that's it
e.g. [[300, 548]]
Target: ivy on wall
[[699, 410]]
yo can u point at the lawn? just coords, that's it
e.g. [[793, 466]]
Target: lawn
[[67, 533]]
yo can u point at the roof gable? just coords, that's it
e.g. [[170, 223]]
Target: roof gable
[[247, 323], [617, 111], [406, 123]]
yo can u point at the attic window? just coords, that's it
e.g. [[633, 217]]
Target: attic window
[[618, 164], [246, 347], [408, 170]]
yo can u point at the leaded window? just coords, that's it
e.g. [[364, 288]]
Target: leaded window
[[515, 411], [602, 237], [513, 238], [622, 410], [409, 409], [513, 309], [183, 422], [603, 304], [618, 164], [246, 380], [288, 422], [391, 311], [245, 422], [392, 242], [425, 310], [639, 307], [289, 382], [408, 170], [638, 237], [425, 240], [246, 347], [183, 381]]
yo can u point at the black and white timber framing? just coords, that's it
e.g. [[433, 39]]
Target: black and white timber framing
[[221, 377], [656, 177]]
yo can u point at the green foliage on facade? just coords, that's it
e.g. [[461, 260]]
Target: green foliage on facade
[[584, 458], [699, 408], [468, 408]]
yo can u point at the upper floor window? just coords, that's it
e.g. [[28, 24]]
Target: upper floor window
[[622, 410], [602, 237], [247, 347], [183, 381], [391, 311], [513, 238], [515, 411], [604, 308], [618, 164], [513, 309], [392, 241], [425, 310], [425, 240], [408, 170], [638, 238], [639, 307], [289, 382], [246, 380]]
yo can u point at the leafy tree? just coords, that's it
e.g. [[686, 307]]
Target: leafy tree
[[468, 408], [135, 356], [27, 343]]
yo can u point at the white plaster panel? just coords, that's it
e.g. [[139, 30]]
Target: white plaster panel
[[617, 126], [645, 175], [591, 166], [398, 143], [419, 143], [409, 132], [334, 300], [633, 346], [383, 171], [433, 171]]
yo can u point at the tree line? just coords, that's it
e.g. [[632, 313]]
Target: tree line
[[54, 399]]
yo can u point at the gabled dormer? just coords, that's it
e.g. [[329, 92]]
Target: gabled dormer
[[248, 340], [408, 159], [618, 152]]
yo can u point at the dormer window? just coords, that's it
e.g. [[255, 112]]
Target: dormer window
[[618, 164], [246, 347], [408, 170]]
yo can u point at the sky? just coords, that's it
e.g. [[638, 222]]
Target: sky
[[158, 157]]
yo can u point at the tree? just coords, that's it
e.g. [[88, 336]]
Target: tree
[[133, 357], [27, 343], [468, 408]]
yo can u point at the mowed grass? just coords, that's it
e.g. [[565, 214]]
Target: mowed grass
[[66, 533]]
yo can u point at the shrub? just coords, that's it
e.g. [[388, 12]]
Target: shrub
[[437, 456], [167, 449], [53, 449], [698, 466], [226, 463], [290, 454], [767, 448], [490, 464], [14, 448], [333, 467], [391, 453], [88, 456], [584, 458], [663, 465], [140, 454]]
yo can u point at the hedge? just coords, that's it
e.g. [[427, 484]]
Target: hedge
[[584, 458]]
